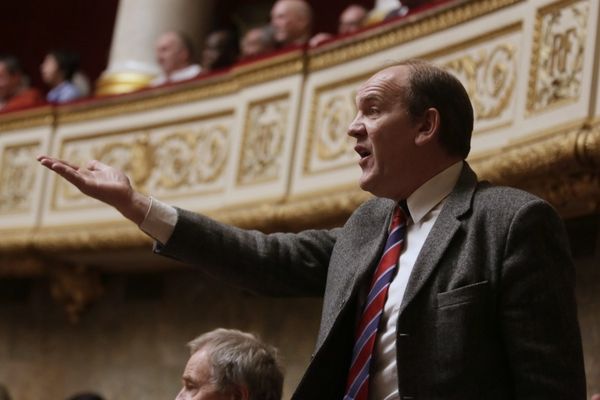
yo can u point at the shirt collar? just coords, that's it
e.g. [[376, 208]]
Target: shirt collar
[[432, 192]]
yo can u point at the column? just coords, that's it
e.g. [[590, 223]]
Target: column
[[132, 62]]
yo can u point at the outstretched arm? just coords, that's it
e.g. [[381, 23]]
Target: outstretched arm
[[103, 183]]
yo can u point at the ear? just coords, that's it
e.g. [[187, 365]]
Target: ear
[[428, 125]]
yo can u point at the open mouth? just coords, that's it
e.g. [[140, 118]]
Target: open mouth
[[362, 152]]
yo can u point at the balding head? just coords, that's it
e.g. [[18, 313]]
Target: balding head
[[351, 18], [173, 51], [291, 21]]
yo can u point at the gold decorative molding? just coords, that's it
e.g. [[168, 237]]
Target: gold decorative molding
[[188, 153], [563, 168], [269, 69], [388, 36], [17, 177], [122, 82], [490, 77], [217, 85], [556, 71], [26, 119], [324, 142], [146, 100], [263, 138]]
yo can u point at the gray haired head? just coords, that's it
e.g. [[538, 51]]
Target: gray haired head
[[240, 361]]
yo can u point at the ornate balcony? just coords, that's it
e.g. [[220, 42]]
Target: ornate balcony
[[264, 145]]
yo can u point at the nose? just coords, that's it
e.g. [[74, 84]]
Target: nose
[[356, 127]]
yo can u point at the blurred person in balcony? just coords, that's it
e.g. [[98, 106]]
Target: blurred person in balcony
[[175, 55], [15, 92], [256, 42], [228, 364], [462, 289], [350, 21], [406, 7], [221, 50], [58, 70], [292, 22], [595, 396]]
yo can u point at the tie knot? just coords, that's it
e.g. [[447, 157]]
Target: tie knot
[[399, 216]]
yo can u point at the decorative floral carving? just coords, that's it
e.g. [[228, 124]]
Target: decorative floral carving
[[261, 154], [136, 158], [328, 144], [17, 177], [185, 157], [333, 121], [211, 152], [490, 77], [558, 52]]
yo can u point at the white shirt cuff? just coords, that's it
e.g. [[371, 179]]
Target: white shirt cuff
[[159, 221]]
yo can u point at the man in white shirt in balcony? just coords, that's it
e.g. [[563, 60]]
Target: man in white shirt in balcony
[[175, 55], [480, 303]]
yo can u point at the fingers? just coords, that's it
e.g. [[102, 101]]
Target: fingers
[[63, 168], [47, 161]]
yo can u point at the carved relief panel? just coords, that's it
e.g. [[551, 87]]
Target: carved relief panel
[[488, 68], [174, 159], [18, 170], [333, 109], [558, 53], [261, 155]]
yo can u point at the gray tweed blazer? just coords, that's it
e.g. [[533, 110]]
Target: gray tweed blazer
[[489, 311]]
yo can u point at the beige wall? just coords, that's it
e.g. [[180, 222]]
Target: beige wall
[[130, 347]]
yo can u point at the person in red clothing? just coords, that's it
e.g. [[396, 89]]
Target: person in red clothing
[[14, 91]]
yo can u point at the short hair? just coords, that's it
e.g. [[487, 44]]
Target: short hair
[[12, 64], [68, 62], [238, 359], [431, 86]]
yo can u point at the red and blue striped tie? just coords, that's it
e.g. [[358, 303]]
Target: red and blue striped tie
[[357, 387]]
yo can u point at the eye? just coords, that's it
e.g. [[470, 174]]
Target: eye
[[372, 111]]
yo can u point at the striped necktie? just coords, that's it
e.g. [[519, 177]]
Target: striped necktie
[[357, 387]]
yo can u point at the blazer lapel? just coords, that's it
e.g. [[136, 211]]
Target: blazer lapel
[[446, 225], [368, 253]]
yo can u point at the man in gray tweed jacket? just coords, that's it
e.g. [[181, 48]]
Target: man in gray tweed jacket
[[481, 305]]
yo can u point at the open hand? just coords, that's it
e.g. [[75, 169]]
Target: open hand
[[104, 183]]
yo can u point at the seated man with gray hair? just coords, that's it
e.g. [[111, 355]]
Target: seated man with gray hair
[[228, 364]]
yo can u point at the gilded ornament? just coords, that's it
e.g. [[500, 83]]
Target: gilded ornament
[[556, 70], [334, 118], [490, 77], [262, 146], [17, 177], [211, 153]]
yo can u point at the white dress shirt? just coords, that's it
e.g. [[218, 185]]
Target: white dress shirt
[[183, 74], [424, 206]]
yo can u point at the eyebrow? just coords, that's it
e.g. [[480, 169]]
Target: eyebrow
[[188, 378], [370, 97]]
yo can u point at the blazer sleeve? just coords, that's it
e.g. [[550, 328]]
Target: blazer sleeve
[[278, 264], [539, 316]]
